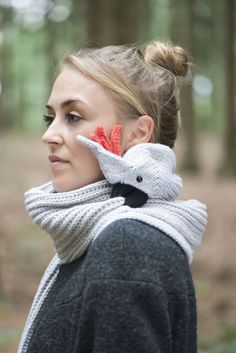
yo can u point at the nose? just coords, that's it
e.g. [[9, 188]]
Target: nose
[[54, 134]]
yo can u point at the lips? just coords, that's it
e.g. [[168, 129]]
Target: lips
[[56, 159]]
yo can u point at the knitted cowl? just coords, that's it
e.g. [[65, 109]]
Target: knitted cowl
[[75, 218], [141, 185]]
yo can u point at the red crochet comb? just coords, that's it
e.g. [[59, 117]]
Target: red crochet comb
[[113, 145]]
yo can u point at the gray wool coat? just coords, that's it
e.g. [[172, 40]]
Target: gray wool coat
[[132, 291]]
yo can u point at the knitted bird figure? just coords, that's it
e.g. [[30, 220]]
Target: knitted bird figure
[[146, 170]]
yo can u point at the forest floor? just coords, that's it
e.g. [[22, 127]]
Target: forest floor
[[25, 250]]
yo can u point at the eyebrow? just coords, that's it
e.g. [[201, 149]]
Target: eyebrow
[[66, 103]]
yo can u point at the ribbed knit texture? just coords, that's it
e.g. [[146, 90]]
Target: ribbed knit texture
[[75, 218], [45, 285]]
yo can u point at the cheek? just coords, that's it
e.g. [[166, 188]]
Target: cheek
[[84, 158]]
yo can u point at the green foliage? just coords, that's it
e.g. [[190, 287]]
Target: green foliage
[[204, 288], [8, 337], [159, 26], [30, 53], [225, 343], [226, 347], [36, 49], [228, 333]]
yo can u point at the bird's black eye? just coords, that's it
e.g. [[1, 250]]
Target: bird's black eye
[[139, 179]]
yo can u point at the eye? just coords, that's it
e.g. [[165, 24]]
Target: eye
[[73, 118], [139, 179], [48, 119]]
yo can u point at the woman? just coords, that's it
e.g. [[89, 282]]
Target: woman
[[120, 280]]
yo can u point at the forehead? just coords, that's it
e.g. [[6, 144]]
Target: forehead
[[70, 80], [71, 83]]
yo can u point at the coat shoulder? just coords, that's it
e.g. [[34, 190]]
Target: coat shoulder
[[130, 249]]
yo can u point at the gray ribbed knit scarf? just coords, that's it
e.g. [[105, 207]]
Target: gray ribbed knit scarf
[[75, 218]]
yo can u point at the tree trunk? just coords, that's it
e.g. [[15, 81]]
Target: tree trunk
[[113, 22], [2, 241], [78, 19], [182, 33], [50, 47], [6, 113], [229, 162], [217, 61]]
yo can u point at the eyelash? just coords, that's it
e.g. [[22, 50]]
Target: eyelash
[[48, 119]]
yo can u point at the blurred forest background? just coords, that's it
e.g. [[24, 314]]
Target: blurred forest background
[[34, 36]]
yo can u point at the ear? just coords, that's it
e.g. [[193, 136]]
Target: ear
[[141, 131]]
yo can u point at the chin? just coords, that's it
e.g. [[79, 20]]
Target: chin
[[61, 183], [63, 186], [60, 186]]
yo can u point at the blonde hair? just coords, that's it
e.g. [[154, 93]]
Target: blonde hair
[[141, 80]]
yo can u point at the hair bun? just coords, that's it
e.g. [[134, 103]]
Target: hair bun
[[170, 57]]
